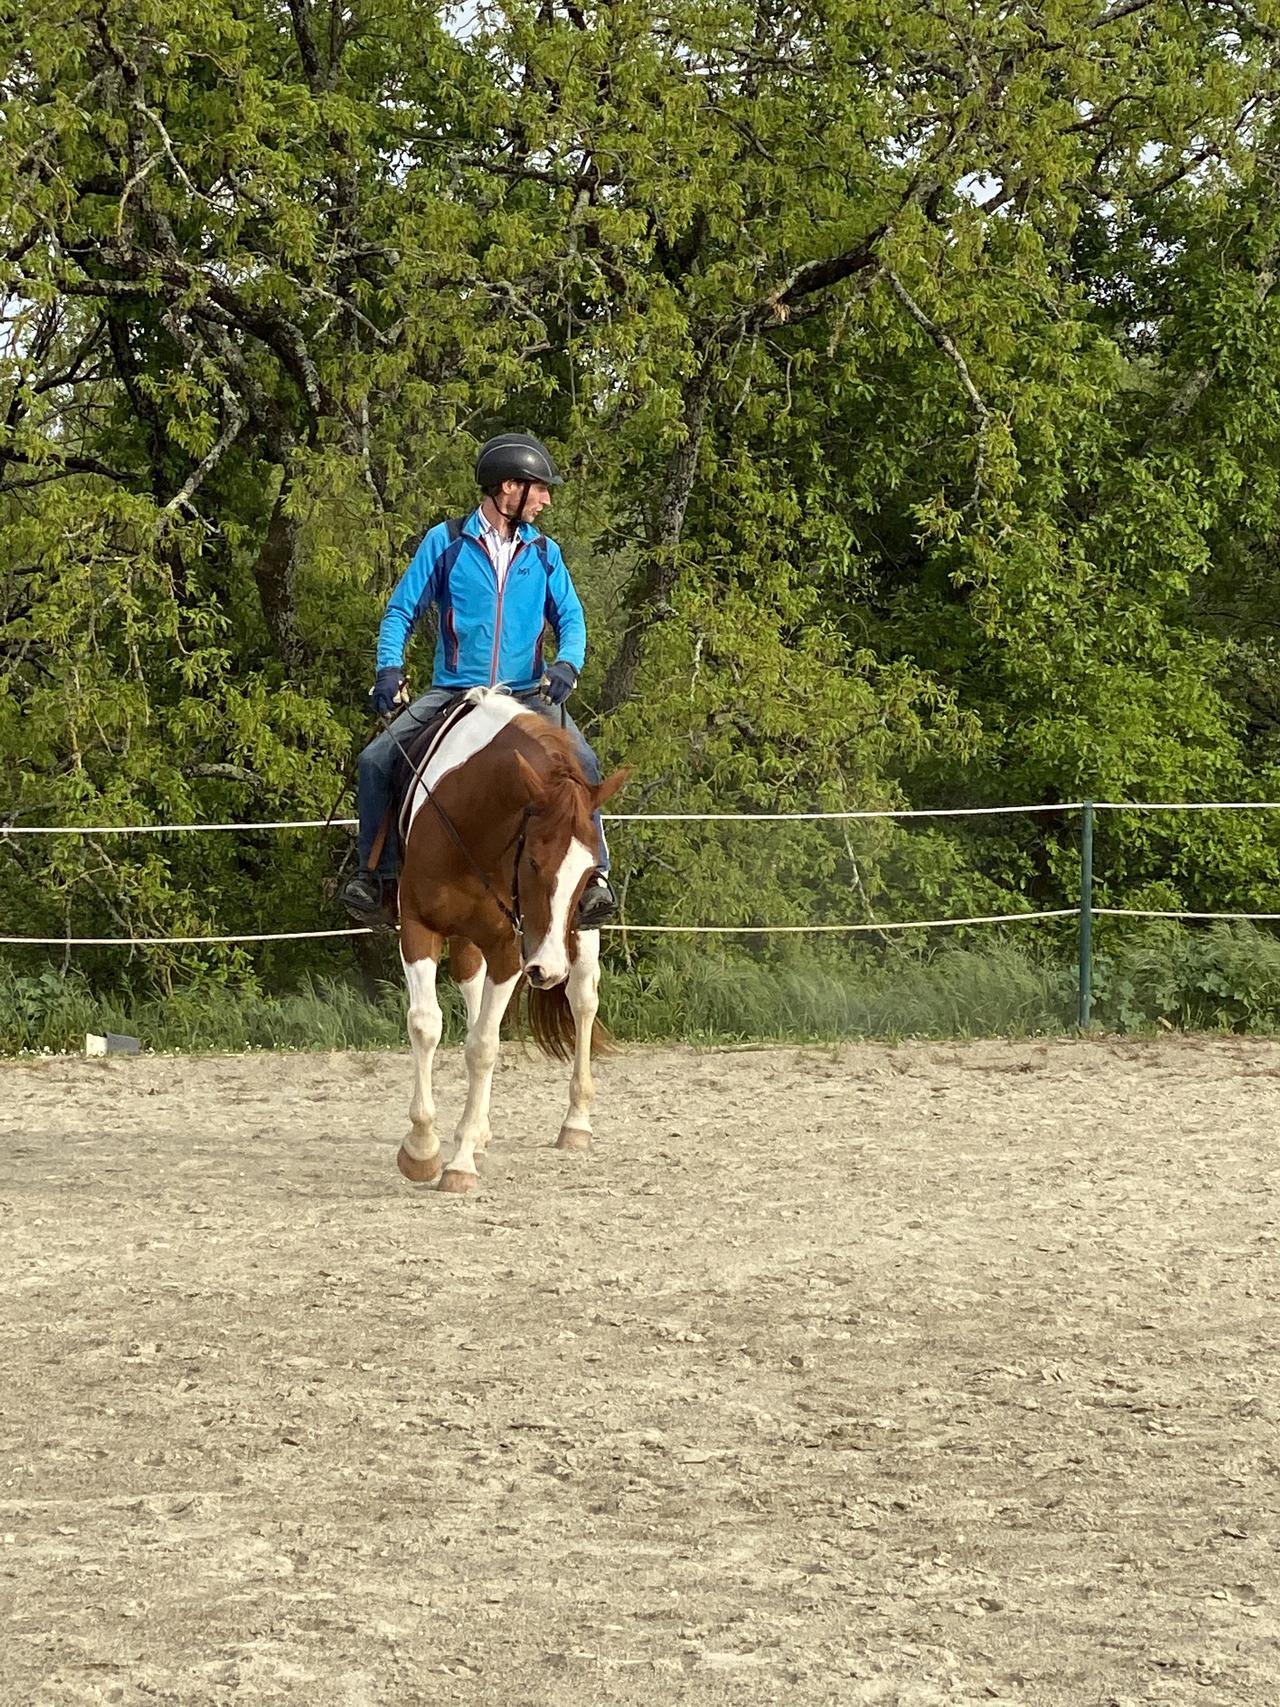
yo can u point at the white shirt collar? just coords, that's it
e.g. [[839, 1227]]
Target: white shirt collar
[[499, 548]]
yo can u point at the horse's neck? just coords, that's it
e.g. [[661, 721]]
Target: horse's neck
[[464, 743]]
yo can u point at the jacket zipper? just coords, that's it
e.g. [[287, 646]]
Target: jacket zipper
[[497, 619]]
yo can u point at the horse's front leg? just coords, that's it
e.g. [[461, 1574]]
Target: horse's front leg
[[584, 1000], [482, 1054], [419, 1157], [467, 965]]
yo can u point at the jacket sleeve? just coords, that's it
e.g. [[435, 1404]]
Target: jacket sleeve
[[564, 610], [416, 589]]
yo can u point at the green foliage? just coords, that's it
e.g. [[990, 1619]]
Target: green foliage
[[919, 392], [50, 1013], [1224, 979], [724, 996], [1146, 979]]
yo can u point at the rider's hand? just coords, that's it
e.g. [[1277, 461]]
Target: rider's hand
[[558, 682], [390, 691]]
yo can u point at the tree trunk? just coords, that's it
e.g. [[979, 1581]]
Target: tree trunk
[[274, 574], [656, 577]]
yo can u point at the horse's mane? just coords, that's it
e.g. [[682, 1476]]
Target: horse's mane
[[568, 796], [568, 793]]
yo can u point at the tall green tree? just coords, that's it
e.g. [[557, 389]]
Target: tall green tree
[[915, 370]]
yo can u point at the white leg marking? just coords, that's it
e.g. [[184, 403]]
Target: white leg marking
[[584, 999], [472, 992], [552, 953], [482, 1053], [426, 1023]]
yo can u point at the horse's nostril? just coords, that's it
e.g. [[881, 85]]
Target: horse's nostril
[[536, 976]]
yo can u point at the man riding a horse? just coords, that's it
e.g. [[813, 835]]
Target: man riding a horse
[[495, 581]]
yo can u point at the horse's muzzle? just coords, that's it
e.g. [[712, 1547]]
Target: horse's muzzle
[[541, 979]]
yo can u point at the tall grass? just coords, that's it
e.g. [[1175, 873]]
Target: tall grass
[[719, 997], [55, 1013], [1227, 978]]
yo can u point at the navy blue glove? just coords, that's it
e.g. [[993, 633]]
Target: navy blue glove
[[558, 682], [390, 691]]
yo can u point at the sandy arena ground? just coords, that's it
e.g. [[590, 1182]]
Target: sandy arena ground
[[895, 1376]]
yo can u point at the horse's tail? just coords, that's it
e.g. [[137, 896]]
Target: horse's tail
[[551, 1022]]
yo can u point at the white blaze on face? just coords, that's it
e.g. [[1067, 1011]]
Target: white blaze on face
[[551, 955]]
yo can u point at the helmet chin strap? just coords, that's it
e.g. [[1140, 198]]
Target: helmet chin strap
[[515, 520]]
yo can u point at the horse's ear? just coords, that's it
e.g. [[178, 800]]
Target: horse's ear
[[611, 784], [530, 778]]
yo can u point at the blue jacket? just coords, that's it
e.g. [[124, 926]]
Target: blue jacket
[[489, 636]]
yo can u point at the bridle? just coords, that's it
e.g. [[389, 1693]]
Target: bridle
[[511, 913]]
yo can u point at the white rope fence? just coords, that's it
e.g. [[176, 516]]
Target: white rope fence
[[169, 829], [626, 930], [808, 930], [176, 941], [610, 817], [1185, 805], [9, 829], [1148, 913]]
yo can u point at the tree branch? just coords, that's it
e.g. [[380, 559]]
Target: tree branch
[[1122, 9], [953, 355], [235, 419], [63, 466], [305, 38], [231, 773], [812, 276]]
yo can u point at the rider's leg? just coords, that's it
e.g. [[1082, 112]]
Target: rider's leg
[[377, 769], [366, 894], [373, 796]]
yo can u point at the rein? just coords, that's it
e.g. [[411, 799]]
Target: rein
[[511, 913]]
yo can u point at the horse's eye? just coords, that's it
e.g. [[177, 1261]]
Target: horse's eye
[[534, 866]]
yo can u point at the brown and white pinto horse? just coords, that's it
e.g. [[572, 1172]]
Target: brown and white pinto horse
[[499, 836]]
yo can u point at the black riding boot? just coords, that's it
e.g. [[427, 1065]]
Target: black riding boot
[[598, 904], [371, 899]]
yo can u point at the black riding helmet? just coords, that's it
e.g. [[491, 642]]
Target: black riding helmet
[[515, 456]]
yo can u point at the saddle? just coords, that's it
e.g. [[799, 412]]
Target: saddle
[[411, 761]]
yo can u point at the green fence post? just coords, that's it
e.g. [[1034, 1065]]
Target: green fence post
[[1086, 916]]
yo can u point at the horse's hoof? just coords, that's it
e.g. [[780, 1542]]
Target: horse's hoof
[[420, 1172], [575, 1138], [453, 1179]]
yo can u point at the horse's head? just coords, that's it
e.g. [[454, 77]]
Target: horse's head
[[555, 855]]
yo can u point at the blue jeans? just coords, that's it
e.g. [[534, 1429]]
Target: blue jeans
[[378, 762]]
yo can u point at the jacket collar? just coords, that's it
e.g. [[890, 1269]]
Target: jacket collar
[[474, 526]]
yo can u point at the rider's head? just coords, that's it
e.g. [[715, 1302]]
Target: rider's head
[[516, 473]]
